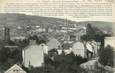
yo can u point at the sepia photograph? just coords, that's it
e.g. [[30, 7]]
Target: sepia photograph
[[59, 38]]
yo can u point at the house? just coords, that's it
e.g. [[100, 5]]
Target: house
[[66, 51], [15, 69], [63, 31], [93, 47], [18, 38], [72, 38], [33, 54], [53, 43], [91, 50], [110, 41], [66, 48], [78, 49]]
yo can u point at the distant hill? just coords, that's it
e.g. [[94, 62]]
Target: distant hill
[[14, 20]]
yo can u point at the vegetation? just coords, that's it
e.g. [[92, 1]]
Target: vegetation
[[106, 56], [9, 57], [61, 64]]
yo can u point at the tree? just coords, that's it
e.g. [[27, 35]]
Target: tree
[[106, 56], [95, 34], [37, 70], [9, 57], [90, 32]]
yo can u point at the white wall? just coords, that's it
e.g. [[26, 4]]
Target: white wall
[[33, 55]]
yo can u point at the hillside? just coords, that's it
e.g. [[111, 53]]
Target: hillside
[[14, 20]]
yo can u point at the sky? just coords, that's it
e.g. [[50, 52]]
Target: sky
[[54, 8]]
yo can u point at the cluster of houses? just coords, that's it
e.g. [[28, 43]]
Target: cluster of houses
[[33, 54]]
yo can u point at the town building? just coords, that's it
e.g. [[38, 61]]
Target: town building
[[15, 69], [33, 54], [18, 38], [53, 43], [79, 49], [110, 41]]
